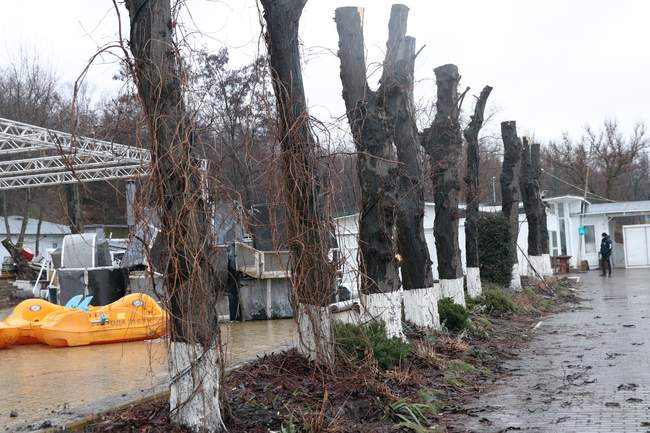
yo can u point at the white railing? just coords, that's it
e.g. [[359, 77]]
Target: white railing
[[261, 264]]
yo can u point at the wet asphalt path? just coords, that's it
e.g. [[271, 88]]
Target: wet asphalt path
[[587, 370]]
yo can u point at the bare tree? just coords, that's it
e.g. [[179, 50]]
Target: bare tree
[[612, 154], [190, 284], [443, 142], [236, 124], [309, 223], [510, 194], [604, 157], [472, 194], [377, 169]]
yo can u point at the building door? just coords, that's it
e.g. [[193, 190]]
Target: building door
[[636, 239], [591, 248]]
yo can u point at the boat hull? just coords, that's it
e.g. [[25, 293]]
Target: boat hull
[[132, 318]]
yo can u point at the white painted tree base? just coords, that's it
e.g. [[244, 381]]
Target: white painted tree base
[[386, 307], [547, 269], [454, 289], [315, 340], [515, 278], [536, 266], [473, 277], [194, 387], [421, 307]]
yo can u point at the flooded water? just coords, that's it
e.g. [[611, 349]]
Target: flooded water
[[38, 379]]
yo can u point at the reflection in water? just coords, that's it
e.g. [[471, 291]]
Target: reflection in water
[[36, 379]]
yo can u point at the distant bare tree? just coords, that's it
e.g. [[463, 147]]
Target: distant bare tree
[[602, 159], [614, 155]]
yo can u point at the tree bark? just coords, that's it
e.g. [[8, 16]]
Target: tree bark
[[443, 143], [377, 167], [530, 198], [472, 192], [6, 215], [190, 284], [308, 220], [510, 194], [535, 155], [24, 271], [24, 221], [376, 161], [74, 207], [38, 232], [398, 81]]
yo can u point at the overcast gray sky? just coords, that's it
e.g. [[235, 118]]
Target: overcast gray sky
[[555, 65]]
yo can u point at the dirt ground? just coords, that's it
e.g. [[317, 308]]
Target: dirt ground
[[443, 373]]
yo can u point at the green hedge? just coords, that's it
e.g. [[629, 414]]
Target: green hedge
[[495, 259], [453, 316]]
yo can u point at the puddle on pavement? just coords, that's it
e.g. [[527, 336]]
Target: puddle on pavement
[[37, 379]]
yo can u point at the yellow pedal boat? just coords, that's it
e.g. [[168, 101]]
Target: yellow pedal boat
[[132, 318]]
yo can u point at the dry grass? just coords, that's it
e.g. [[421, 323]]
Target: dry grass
[[427, 353]]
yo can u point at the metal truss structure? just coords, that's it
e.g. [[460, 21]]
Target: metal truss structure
[[57, 157]]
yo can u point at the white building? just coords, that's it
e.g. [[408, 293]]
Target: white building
[[51, 234], [628, 223]]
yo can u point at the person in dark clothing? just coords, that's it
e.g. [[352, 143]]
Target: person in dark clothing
[[605, 254]]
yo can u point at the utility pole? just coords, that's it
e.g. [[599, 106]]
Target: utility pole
[[583, 241], [494, 191]]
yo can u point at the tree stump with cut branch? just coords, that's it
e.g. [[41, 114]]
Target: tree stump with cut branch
[[510, 195]]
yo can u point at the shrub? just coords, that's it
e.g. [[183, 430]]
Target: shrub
[[495, 257], [356, 341], [453, 316], [497, 301]]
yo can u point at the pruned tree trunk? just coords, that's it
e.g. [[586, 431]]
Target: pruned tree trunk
[[74, 207], [24, 271], [24, 221], [545, 268], [38, 232], [190, 283], [420, 307], [377, 168], [510, 194], [443, 142], [5, 214], [308, 220], [530, 197], [472, 192]]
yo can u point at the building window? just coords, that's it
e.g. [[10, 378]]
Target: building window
[[590, 240]]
